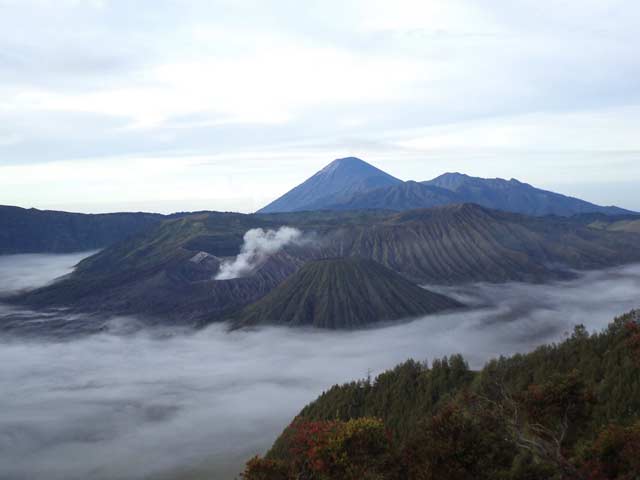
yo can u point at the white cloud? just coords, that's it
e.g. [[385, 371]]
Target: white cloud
[[270, 85], [10, 139], [85, 82], [610, 129], [407, 15]]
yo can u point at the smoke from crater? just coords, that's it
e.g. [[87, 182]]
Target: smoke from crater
[[257, 247]]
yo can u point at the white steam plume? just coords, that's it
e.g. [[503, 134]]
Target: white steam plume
[[258, 246]]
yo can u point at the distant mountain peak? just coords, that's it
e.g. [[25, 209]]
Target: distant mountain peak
[[350, 165], [452, 176], [339, 180], [345, 162]]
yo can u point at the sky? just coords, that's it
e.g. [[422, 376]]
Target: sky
[[166, 105]]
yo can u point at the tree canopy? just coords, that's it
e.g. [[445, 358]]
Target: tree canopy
[[564, 411]]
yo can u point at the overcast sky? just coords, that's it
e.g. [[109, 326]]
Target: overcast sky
[[186, 105]]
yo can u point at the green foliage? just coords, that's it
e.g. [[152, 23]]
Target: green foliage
[[459, 442], [358, 449], [634, 340], [263, 469], [614, 454], [565, 411], [401, 397], [556, 404], [604, 363]]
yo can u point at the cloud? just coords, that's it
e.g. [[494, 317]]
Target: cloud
[[28, 271], [94, 80], [272, 84], [258, 246], [411, 15], [157, 403]]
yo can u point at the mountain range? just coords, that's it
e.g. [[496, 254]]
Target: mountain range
[[168, 272], [48, 231], [369, 241], [347, 184], [353, 184]]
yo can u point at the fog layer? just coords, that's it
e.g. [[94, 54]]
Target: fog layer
[[18, 272], [153, 404]]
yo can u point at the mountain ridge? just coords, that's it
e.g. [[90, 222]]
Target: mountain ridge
[[334, 188], [516, 196], [403, 196], [168, 271], [32, 230]]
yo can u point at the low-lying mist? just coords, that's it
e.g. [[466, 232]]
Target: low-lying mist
[[156, 404], [30, 270]]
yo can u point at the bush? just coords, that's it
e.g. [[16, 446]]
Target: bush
[[262, 469], [615, 454]]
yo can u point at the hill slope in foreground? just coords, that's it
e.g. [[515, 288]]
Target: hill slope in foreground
[[342, 293], [566, 411]]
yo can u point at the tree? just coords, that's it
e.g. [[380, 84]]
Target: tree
[[264, 469], [534, 416], [359, 449], [464, 440], [543, 418], [615, 454], [633, 341]]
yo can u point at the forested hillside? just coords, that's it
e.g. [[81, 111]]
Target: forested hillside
[[566, 411]]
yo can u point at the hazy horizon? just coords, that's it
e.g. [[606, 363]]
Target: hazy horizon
[[164, 106], [167, 207]]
